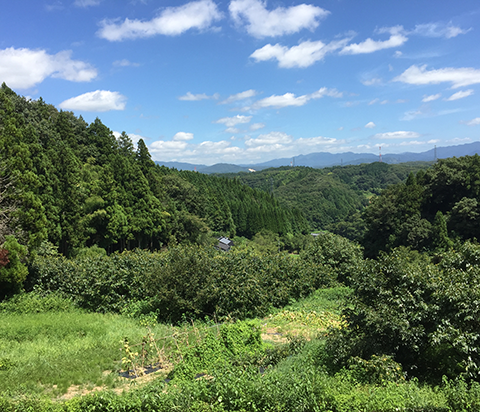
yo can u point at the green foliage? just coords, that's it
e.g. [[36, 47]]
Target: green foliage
[[27, 303], [77, 186], [182, 281], [344, 257], [45, 352], [379, 370], [428, 211], [231, 344], [424, 316], [329, 198], [14, 273]]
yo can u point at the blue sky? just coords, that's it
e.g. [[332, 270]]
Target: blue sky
[[246, 81]]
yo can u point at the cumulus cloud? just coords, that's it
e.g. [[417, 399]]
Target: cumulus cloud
[[182, 137], [97, 101], [233, 121], [172, 21], [397, 135], [370, 125], [168, 148], [272, 138], [260, 22], [303, 55], [239, 96], [459, 95], [438, 30], [273, 144], [190, 97], [397, 38], [25, 68], [473, 122], [458, 77], [431, 97], [289, 99]]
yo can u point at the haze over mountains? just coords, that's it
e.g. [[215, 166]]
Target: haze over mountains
[[325, 159]]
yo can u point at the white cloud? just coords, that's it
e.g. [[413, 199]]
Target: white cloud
[[182, 137], [197, 97], [373, 81], [397, 135], [460, 95], [168, 148], [289, 99], [370, 125], [438, 30], [172, 21], [473, 122], [86, 3], [97, 101], [431, 97], [133, 137], [460, 77], [272, 138], [260, 22], [25, 68], [256, 126], [239, 96], [303, 55], [308, 142], [369, 46], [233, 121], [124, 63]]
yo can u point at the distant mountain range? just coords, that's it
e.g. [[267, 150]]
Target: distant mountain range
[[325, 159]]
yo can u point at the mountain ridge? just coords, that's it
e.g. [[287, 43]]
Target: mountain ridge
[[325, 159]]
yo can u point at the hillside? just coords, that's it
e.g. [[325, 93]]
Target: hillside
[[329, 198], [75, 185]]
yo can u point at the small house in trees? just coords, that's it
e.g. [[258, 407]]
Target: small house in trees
[[224, 243]]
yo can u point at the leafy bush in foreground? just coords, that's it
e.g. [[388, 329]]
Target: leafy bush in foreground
[[425, 316]]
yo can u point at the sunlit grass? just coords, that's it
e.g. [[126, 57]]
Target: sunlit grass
[[309, 317], [54, 350]]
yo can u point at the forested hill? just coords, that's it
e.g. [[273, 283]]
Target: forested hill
[[330, 198], [75, 185]]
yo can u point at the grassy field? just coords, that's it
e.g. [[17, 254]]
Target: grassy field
[[51, 348], [51, 351], [56, 358]]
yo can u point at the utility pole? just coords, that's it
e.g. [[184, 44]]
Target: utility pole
[[380, 154]]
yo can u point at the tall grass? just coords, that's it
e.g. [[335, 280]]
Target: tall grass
[[52, 350]]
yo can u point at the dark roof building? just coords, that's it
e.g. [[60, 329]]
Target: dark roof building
[[224, 243]]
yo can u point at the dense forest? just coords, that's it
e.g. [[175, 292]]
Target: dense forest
[[75, 185], [331, 198]]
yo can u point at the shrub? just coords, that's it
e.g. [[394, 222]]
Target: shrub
[[424, 316], [13, 271], [343, 256]]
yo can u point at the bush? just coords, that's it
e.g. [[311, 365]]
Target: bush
[[343, 256], [425, 316], [13, 271]]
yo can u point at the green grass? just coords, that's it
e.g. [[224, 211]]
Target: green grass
[[50, 351], [311, 316]]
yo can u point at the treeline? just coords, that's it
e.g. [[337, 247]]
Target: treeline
[[431, 211], [76, 185], [331, 198]]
